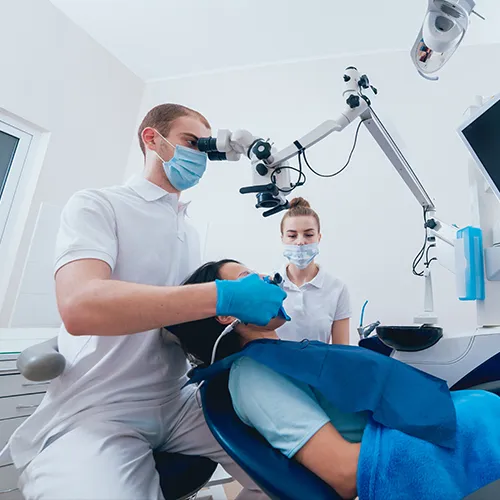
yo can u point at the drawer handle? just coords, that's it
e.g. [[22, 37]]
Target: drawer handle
[[26, 407], [34, 384], [9, 491]]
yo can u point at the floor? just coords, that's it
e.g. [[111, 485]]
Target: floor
[[221, 487], [220, 492], [232, 490]]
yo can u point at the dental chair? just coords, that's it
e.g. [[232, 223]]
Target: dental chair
[[278, 476], [181, 476]]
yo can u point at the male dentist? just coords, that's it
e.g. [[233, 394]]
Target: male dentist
[[121, 253]]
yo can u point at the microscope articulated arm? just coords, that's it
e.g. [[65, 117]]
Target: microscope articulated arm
[[271, 180]]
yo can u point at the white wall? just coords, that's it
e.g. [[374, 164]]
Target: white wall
[[36, 304], [372, 226], [63, 83]]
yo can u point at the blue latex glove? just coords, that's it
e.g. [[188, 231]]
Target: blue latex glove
[[281, 313], [250, 299]]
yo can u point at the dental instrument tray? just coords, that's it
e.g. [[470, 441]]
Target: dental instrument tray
[[409, 338]]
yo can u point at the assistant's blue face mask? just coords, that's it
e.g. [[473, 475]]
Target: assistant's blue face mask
[[301, 255], [185, 169]]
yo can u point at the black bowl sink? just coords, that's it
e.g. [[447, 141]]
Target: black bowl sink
[[410, 338]]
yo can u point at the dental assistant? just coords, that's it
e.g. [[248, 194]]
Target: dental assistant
[[317, 302], [121, 253]]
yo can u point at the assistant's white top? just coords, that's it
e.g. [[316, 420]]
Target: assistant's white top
[[140, 230], [313, 307]]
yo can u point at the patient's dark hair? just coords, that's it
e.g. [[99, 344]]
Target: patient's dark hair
[[198, 337]]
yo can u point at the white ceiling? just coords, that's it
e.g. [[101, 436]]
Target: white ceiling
[[159, 39]]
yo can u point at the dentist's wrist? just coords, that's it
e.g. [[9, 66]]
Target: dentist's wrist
[[209, 301], [191, 302]]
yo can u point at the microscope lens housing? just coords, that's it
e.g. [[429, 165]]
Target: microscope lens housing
[[207, 144], [267, 200], [216, 156]]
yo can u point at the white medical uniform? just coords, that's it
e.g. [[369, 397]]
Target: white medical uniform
[[313, 307], [119, 396]]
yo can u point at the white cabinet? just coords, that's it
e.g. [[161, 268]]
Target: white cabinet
[[18, 398], [8, 478], [7, 428], [11, 495]]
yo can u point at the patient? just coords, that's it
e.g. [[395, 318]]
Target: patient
[[297, 420]]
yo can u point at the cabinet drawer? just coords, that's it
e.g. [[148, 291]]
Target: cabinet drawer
[[8, 477], [15, 384], [7, 428], [19, 406], [8, 366], [11, 495]]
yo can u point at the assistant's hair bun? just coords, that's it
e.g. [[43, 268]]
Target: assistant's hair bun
[[299, 203]]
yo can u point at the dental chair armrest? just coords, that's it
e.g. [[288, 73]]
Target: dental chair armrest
[[41, 362]]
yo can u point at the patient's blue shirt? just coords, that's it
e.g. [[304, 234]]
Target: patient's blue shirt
[[286, 412]]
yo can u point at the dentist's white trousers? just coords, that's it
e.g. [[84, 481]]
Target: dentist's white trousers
[[110, 457]]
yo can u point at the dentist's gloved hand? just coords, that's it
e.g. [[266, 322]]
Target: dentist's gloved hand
[[250, 299]]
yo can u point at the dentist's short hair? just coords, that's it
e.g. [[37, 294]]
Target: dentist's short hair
[[162, 117]]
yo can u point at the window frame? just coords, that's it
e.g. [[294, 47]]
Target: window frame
[[14, 221], [14, 175]]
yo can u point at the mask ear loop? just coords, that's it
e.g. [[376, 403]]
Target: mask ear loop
[[226, 330], [167, 141]]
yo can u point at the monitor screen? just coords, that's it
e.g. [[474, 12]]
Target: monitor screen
[[482, 137]]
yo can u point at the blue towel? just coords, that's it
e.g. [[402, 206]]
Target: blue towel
[[395, 466]]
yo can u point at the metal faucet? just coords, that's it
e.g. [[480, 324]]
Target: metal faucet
[[366, 331]]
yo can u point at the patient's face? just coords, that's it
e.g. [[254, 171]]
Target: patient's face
[[233, 271]]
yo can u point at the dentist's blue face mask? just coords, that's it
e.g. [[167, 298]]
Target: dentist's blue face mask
[[301, 255], [186, 167]]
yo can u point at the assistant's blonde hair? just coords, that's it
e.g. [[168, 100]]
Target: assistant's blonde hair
[[299, 207]]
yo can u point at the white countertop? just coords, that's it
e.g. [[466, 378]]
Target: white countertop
[[14, 340]]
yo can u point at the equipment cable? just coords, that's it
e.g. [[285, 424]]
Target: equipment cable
[[302, 176], [348, 158]]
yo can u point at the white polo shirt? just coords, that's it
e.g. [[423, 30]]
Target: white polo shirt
[[314, 307], [141, 232]]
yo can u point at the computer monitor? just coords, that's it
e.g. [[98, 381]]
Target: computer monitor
[[481, 135]]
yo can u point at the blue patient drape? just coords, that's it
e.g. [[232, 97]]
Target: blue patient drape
[[355, 379]]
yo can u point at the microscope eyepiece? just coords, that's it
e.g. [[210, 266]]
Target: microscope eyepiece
[[207, 144]]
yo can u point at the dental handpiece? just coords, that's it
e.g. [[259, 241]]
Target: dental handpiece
[[276, 280]]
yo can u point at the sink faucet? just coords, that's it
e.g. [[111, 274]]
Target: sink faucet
[[366, 331]]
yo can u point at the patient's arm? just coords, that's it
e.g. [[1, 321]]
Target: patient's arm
[[333, 459]]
